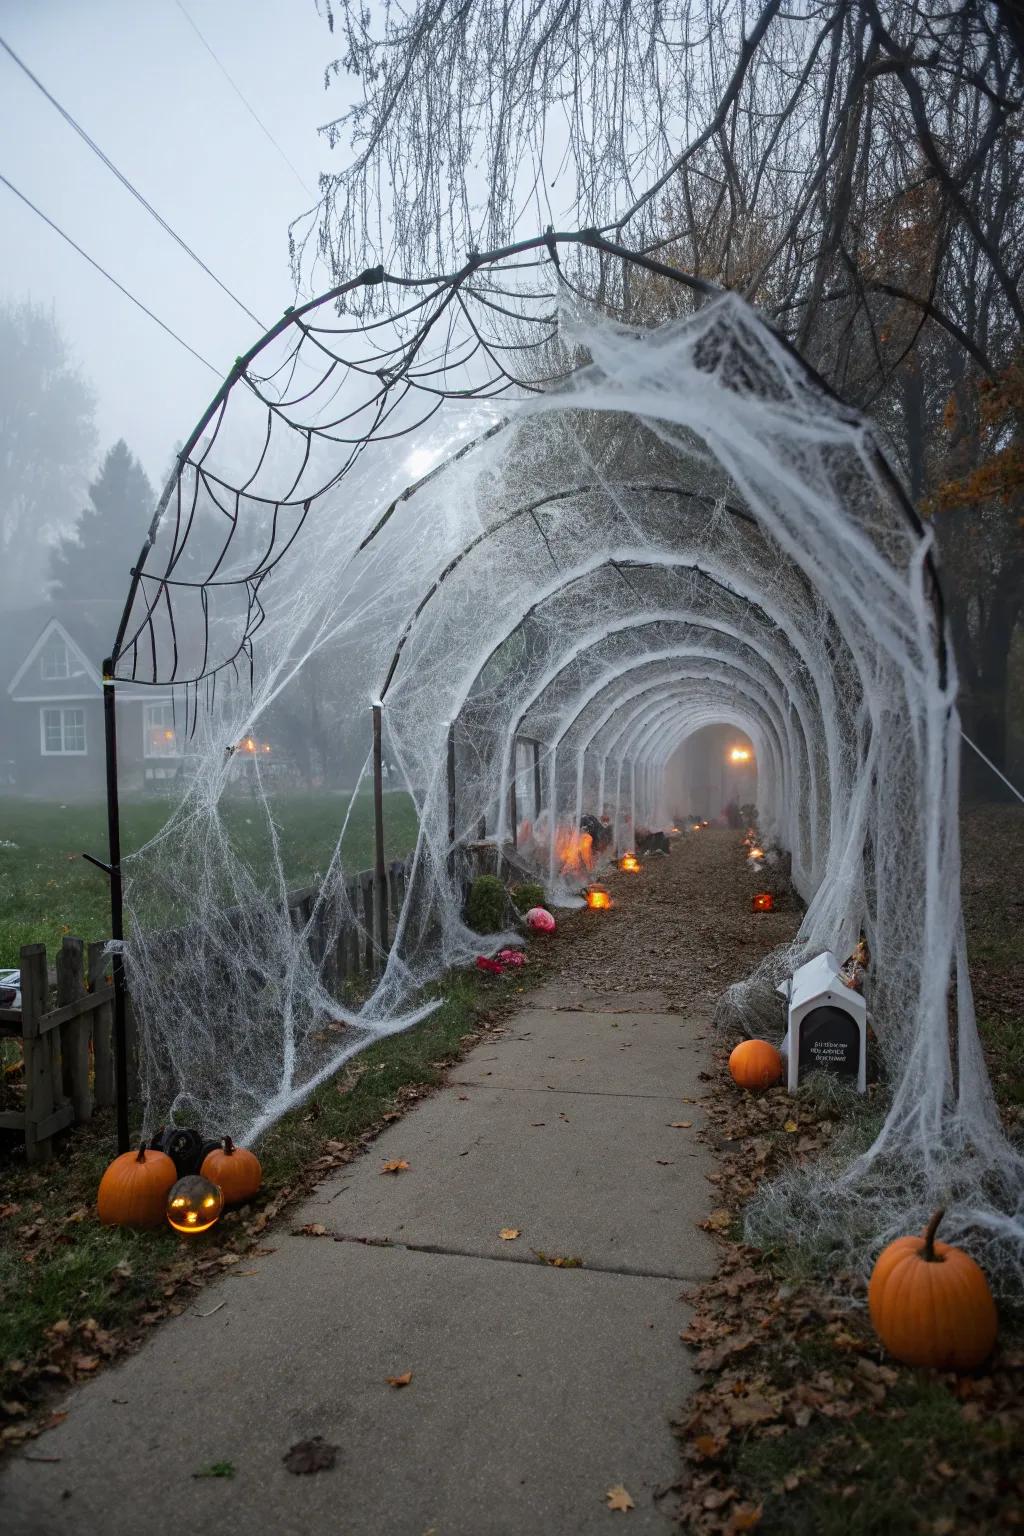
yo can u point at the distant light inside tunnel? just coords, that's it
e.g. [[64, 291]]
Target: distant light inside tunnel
[[740, 755], [598, 899]]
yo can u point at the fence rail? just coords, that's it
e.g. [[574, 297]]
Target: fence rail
[[65, 1022]]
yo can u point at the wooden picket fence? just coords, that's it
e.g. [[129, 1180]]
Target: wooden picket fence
[[65, 1023]]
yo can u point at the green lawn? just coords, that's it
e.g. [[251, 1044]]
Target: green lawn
[[47, 889]]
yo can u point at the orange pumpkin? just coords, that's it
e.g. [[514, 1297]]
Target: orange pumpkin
[[133, 1191], [236, 1170], [931, 1304], [755, 1064]]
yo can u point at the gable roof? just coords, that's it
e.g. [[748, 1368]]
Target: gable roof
[[86, 673], [88, 628]]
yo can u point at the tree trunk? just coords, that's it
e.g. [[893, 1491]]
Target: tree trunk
[[984, 663]]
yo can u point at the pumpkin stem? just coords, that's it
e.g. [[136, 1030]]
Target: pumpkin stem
[[142, 1152], [928, 1252], [229, 1145]]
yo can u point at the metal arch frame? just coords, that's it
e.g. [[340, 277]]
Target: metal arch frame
[[638, 560], [652, 715], [672, 664], [793, 745], [802, 699], [550, 241]]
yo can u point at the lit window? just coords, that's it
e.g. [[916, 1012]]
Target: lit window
[[158, 726], [53, 660], [63, 732]]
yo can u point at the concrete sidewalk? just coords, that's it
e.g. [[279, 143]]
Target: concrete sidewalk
[[534, 1389]]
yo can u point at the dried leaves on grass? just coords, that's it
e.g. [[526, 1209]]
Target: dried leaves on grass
[[801, 1415]]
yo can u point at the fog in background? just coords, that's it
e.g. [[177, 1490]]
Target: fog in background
[[139, 80]]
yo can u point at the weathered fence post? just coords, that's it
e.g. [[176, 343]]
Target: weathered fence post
[[102, 1023], [368, 888], [74, 1035], [352, 892], [39, 1105]]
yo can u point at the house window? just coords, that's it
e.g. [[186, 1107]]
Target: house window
[[53, 660], [159, 735], [62, 732]]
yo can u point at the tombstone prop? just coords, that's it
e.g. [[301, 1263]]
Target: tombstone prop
[[827, 1024]]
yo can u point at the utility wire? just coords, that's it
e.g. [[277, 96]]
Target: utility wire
[[249, 108], [66, 115], [120, 286], [998, 772]]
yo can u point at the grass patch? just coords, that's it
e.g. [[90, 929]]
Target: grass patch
[[869, 1476], [69, 1287], [47, 889]]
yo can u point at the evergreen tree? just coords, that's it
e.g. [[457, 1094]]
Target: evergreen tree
[[96, 561], [47, 441]]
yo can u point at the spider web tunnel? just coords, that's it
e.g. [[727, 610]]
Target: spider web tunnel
[[625, 532]]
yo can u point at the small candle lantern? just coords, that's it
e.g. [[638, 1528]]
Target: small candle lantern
[[630, 863], [598, 899], [194, 1204], [756, 853], [763, 901]]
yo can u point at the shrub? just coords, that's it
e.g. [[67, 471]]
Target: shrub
[[529, 894], [487, 905]]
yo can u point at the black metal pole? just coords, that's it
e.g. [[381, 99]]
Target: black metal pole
[[116, 908], [451, 784], [513, 799], [380, 875]]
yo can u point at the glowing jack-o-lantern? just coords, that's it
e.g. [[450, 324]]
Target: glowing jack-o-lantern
[[756, 853], [763, 901], [598, 898], [630, 862], [194, 1204]]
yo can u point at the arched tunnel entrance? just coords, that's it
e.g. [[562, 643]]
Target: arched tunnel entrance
[[638, 550]]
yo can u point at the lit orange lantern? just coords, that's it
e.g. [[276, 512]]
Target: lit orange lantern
[[757, 853], [630, 862], [598, 899], [764, 901], [194, 1204]]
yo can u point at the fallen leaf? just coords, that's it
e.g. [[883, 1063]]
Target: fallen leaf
[[400, 1381], [720, 1220], [311, 1456], [789, 1126], [85, 1362], [708, 1446], [664, 1162], [745, 1517], [508, 1233], [216, 1469], [619, 1499], [396, 1165], [311, 1229], [680, 1125]]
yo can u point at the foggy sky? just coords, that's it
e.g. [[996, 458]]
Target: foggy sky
[[139, 81]]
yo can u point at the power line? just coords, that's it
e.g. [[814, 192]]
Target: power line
[[250, 109], [120, 286], [66, 115]]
